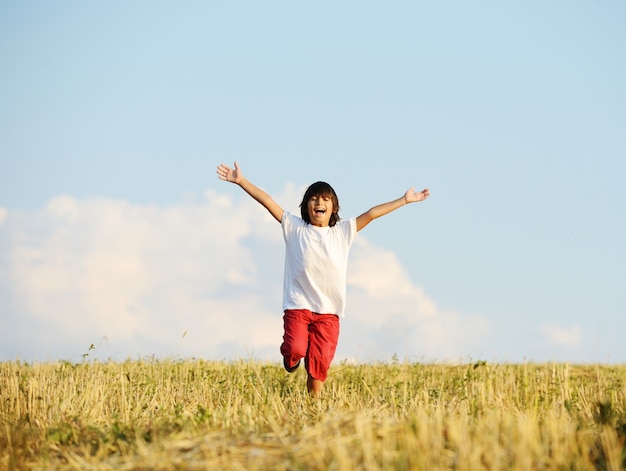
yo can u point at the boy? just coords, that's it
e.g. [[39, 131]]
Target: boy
[[316, 259]]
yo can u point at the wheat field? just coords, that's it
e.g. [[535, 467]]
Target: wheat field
[[249, 415]]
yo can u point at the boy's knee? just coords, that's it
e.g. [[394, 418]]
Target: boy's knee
[[293, 350]]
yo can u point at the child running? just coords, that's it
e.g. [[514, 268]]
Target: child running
[[316, 263]]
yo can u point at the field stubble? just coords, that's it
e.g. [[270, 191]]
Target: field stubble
[[194, 414]]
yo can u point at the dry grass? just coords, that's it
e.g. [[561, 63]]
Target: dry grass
[[141, 415]]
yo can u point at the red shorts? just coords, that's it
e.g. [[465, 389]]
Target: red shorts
[[312, 336]]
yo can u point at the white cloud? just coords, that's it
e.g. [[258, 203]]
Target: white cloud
[[3, 214], [393, 315], [193, 279], [562, 336], [63, 208]]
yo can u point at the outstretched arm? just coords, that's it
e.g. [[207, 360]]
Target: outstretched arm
[[224, 172], [411, 196]]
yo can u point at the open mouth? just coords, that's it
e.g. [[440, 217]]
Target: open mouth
[[320, 211]]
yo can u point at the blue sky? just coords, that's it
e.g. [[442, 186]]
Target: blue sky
[[115, 231]]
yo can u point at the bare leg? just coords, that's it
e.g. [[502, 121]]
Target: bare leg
[[314, 386]]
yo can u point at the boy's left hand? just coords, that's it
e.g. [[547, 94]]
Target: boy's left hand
[[412, 196]]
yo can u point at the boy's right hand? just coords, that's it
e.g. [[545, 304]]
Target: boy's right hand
[[224, 172]]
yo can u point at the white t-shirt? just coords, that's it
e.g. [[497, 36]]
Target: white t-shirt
[[316, 262]]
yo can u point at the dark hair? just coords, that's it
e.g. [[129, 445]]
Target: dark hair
[[322, 189]]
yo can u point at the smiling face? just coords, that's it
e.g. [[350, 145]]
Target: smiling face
[[320, 205], [320, 210]]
